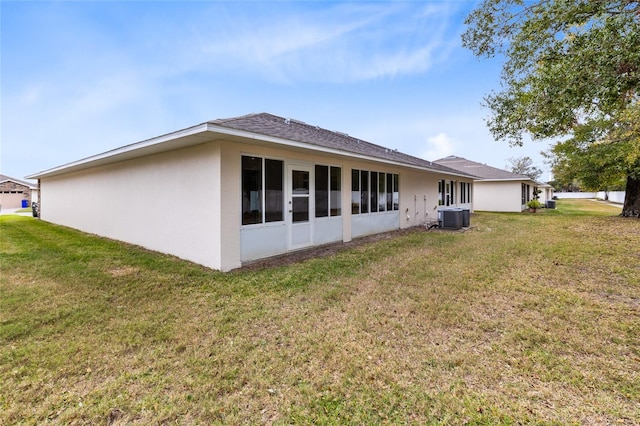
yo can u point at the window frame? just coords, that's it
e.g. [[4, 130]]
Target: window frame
[[321, 190], [262, 217], [333, 184], [465, 192], [335, 210], [378, 201]]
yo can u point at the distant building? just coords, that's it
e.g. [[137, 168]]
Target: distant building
[[499, 190], [16, 193]]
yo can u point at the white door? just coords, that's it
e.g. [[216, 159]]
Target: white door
[[299, 217]]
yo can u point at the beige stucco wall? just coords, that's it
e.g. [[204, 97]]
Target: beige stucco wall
[[546, 194], [418, 190], [187, 202], [498, 196], [165, 202], [419, 197]]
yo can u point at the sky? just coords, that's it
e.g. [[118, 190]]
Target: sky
[[80, 78]]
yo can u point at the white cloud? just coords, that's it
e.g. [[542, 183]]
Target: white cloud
[[439, 146], [352, 42]]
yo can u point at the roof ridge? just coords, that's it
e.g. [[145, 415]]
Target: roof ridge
[[470, 166]]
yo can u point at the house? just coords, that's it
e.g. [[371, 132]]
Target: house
[[227, 192], [496, 189], [16, 193]]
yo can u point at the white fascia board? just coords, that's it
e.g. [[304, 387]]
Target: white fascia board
[[203, 132], [124, 152], [504, 180]]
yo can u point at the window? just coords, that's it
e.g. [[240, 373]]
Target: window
[[355, 191], [525, 193], [465, 192], [390, 192], [274, 194], [251, 190], [335, 201], [364, 191], [262, 189], [373, 192], [382, 192], [446, 192], [328, 191], [322, 191], [396, 192], [300, 195], [453, 192]]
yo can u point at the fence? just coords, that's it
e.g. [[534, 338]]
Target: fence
[[614, 196]]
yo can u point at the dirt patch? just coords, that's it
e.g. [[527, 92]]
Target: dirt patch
[[124, 271]]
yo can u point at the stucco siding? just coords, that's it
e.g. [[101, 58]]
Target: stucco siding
[[497, 196], [164, 202], [228, 206], [418, 198], [188, 202], [241, 244]]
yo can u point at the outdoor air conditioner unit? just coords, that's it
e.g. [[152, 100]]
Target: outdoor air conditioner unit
[[451, 219], [466, 218]]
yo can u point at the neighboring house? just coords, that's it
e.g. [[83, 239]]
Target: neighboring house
[[16, 193], [227, 192], [498, 190]]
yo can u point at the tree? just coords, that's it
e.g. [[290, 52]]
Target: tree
[[572, 71], [597, 166], [524, 166]]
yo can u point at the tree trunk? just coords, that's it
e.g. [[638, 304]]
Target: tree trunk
[[631, 206]]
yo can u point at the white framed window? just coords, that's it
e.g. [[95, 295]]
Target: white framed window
[[374, 192], [328, 191], [262, 190], [465, 192]]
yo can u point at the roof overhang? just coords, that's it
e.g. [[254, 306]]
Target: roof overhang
[[506, 180], [20, 182], [209, 132]]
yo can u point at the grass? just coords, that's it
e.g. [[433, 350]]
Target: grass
[[25, 210], [525, 318]]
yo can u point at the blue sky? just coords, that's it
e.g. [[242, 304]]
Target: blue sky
[[81, 78]]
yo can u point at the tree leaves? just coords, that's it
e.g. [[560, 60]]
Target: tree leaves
[[567, 62], [572, 72]]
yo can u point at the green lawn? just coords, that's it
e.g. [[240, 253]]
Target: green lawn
[[525, 318]]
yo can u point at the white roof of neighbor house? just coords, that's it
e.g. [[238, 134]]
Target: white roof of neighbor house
[[482, 171], [260, 128]]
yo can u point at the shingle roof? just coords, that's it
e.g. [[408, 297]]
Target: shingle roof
[[5, 178], [260, 126], [478, 169], [294, 130]]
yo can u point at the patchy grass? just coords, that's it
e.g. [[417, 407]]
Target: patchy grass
[[525, 318]]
